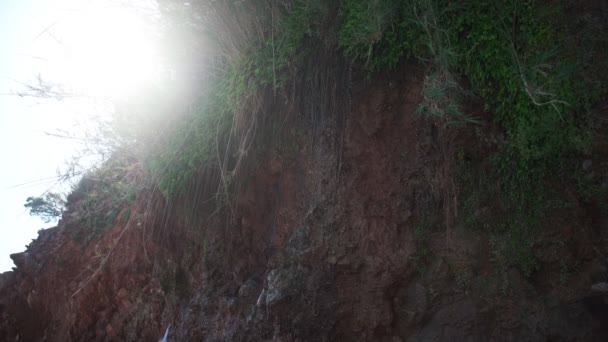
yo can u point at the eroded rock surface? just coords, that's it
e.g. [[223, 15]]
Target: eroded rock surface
[[323, 248]]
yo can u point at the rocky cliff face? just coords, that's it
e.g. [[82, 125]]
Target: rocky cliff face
[[351, 233]]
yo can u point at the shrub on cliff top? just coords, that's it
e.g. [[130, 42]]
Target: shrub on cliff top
[[48, 207]]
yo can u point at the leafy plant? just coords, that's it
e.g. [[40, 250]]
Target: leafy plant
[[379, 33], [257, 51], [102, 194], [48, 207]]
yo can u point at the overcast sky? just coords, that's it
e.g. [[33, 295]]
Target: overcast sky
[[53, 38]]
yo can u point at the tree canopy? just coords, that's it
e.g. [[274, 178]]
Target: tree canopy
[[48, 207]]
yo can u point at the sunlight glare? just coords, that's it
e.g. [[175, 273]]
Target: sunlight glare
[[110, 52]]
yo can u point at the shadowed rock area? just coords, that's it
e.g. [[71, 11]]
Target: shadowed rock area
[[354, 199], [323, 248]]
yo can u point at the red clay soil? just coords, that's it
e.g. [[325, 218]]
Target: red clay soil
[[321, 246]]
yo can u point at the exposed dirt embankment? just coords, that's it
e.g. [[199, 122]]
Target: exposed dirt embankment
[[350, 234], [66, 288]]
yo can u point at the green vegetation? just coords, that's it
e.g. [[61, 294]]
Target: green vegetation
[[515, 58], [48, 207], [524, 65], [528, 84], [380, 33], [101, 196], [255, 52]]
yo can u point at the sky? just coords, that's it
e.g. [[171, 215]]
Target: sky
[[98, 52]]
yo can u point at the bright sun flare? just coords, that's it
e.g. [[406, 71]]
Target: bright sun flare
[[109, 52]]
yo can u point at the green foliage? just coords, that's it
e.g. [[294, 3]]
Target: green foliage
[[205, 136], [380, 33], [48, 207], [395, 30], [519, 75], [508, 52], [286, 45], [193, 144], [96, 213], [101, 195], [441, 99], [363, 25], [505, 50], [442, 93]]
